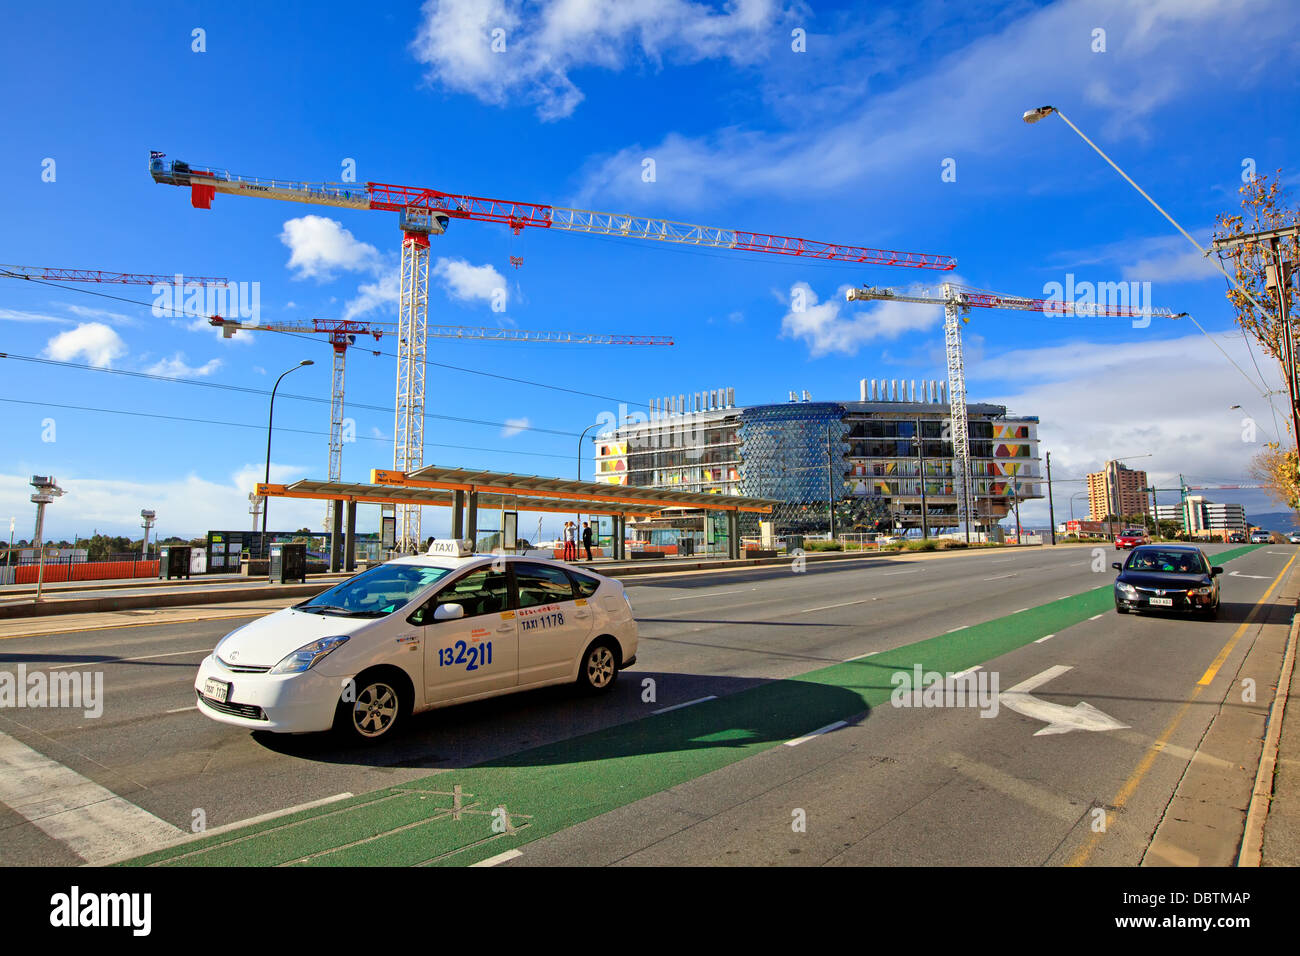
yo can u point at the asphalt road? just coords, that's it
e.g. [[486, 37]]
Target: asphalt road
[[892, 786]]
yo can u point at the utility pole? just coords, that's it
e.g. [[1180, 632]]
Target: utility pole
[[1051, 507]]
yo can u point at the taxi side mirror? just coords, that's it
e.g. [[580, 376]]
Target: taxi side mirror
[[449, 612], [1117, 565], [1215, 571]]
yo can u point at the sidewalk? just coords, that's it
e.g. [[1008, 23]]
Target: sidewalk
[[1281, 841]]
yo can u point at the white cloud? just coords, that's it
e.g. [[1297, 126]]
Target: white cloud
[[177, 368], [544, 46], [83, 312], [98, 344], [468, 283], [972, 100], [836, 326], [1171, 398], [514, 426], [383, 293], [319, 245], [16, 315]]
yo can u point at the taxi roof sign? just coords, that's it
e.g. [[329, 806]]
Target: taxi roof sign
[[452, 547]]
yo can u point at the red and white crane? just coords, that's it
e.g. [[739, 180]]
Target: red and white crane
[[343, 333], [957, 301], [52, 274], [424, 212]]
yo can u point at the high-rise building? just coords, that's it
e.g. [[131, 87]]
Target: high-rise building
[[868, 456], [1213, 519], [1172, 513], [1117, 490]]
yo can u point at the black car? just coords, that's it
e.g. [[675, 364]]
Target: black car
[[1167, 577]]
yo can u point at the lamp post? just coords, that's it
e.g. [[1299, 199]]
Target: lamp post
[[581, 439], [270, 417], [47, 489], [1077, 494], [1034, 115]]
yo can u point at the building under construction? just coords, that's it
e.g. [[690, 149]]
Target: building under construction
[[867, 456]]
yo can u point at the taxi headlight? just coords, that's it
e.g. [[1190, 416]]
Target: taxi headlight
[[306, 656]]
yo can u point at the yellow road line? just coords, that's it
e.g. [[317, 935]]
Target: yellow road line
[[1227, 648], [1130, 786]]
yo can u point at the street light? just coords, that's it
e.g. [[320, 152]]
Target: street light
[[47, 489], [270, 417], [1034, 115], [581, 439]]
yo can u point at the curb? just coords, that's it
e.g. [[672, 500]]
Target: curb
[[1252, 843]]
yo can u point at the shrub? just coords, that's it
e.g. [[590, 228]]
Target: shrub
[[925, 545], [823, 546]]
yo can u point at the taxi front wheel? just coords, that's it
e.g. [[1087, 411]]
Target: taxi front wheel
[[599, 667], [371, 706]]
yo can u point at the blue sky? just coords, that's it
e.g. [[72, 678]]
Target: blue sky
[[846, 141]]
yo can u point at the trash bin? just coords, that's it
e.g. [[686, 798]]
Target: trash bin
[[288, 563], [793, 543], [174, 562], [686, 547]]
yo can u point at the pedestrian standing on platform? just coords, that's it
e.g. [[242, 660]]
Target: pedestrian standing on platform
[[586, 538], [570, 542]]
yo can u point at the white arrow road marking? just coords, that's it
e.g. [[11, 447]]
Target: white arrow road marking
[[1257, 577], [1059, 718]]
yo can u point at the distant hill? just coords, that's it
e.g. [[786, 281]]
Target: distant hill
[[1283, 521]]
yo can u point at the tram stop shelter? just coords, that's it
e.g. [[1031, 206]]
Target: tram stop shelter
[[465, 491]]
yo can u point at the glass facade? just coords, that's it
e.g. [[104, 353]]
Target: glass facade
[[869, 457]]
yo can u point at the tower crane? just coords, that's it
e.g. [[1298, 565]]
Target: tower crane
[[424, 212], [343, 333], [957, 301]]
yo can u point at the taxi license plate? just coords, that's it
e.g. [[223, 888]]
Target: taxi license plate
[[218, 690], [1162, 602]]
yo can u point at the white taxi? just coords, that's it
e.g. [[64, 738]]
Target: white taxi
[[417, 633]]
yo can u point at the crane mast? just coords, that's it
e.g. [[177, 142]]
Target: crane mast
[[957, 301]]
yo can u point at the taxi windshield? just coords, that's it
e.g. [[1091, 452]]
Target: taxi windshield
[[375, 592]]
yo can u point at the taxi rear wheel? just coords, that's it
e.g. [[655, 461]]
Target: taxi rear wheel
[[371, 707], [599, 667]]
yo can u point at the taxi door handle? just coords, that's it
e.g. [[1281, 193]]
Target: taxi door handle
[[582, 613], [504, 628]]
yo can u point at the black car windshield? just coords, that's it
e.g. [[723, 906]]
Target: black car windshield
[[1169, 562], [375, 592]]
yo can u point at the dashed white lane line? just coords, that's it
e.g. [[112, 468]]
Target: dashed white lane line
[[1046, 637], [1095, 616], [698, 700], [888, 573], [181, 710], [960, 627], [827, 607], [817, 733], [960, 674], [692, 597], [505, 857], [999, 577], [90, 820], [1017, 611], [860, 656]]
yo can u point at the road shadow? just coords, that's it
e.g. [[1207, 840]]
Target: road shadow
[[560, 725]]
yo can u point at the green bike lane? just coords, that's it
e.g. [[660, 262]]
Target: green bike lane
[[464, 816]]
